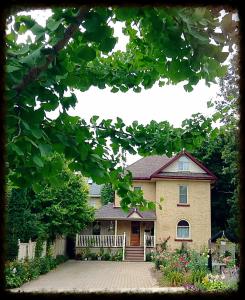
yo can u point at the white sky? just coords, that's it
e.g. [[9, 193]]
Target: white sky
[[171, 103]]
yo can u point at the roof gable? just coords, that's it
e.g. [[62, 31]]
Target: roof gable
[[156, 166], [134, 214], [198, 170]]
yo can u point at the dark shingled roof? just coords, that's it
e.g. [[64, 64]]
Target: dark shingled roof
[[149, 167], [109, 212], [146, 166]]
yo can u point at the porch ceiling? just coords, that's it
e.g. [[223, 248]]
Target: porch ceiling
[[108, 212]]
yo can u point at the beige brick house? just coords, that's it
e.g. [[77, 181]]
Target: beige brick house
[[183, 183]]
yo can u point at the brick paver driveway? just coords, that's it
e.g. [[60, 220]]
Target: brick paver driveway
[[94, 276]]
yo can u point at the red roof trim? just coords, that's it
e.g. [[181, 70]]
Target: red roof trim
[[184, 177], [178, 156]]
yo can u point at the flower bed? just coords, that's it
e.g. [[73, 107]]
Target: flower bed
[[188, 268], [19, 272], [102, 255]]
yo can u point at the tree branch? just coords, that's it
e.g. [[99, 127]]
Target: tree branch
[[69, 32]]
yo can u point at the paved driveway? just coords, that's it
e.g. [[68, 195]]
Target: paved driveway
[[92, 276]]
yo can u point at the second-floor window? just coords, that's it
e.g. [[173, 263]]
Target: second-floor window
[[183, 194]]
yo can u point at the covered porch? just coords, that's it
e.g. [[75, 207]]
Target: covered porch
[[120, 230]]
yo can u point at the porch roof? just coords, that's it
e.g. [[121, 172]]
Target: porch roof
[[109, 212]]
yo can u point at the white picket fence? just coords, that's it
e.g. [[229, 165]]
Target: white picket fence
[[27, 250]]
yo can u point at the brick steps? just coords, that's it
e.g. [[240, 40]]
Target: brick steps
[[134, 254]]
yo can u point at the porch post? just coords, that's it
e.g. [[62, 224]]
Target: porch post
[[155, 225], [115, 233]]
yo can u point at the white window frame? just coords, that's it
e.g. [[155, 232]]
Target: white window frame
[[187, 194], [183, 238], [184, 164]]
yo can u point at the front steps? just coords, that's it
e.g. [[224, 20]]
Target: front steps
[[134, 253]]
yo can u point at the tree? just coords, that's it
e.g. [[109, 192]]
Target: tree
[[74, 51], [21, 222], [221, 155], [57, 208], [107, 194], [63, 209]]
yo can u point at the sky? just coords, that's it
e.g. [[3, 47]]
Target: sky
[[171, 103]]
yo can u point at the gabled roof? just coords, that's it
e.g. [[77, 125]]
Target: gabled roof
[[146, 166], [109, 212], [150, 167]]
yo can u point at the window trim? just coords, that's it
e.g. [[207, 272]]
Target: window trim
[[187, 196], [183, 238]]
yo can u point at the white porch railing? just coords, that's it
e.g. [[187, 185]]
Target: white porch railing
[[124, 245], [99, 240], [150, 240]]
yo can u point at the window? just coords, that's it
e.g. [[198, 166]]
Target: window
[[96, 228], [137, 188], [183, 230], [183, 164], [183, 194]]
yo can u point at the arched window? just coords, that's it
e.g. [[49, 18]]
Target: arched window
[[183, 164], [183, 229]]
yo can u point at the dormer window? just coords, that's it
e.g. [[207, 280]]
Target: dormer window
[[183, 164]]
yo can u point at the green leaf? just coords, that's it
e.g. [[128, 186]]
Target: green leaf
[[38, 161], [53, 24], [94, 119], [114, 90], [86, 53], [16, 149], [26, 125], [107, 44], [36, 132], [222, 56], [37, 187], [45, 149]]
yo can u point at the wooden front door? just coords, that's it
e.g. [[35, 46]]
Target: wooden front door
[[135, 234]]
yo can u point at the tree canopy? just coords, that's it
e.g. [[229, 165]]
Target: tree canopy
[[75, 51], [53, 209]]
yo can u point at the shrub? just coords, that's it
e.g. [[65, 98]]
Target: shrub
[[175, 278], [44, 265], [61, 258], [19, 272], [213, 283], [93, 256], [148, 257], [118, 256], [197, 276], [106, 256], [34, 269]]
